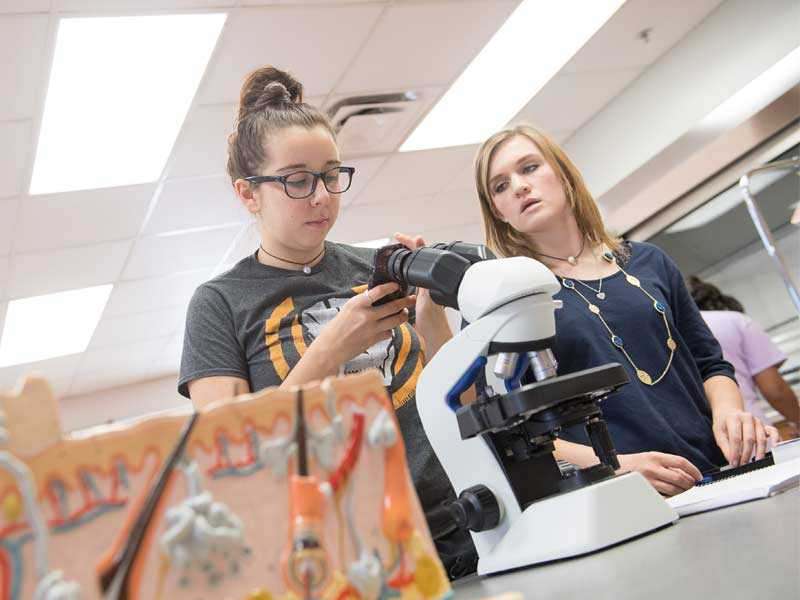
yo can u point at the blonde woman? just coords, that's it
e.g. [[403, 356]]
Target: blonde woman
[[681, 414]]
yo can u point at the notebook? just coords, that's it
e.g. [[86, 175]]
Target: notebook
[[752, 485]]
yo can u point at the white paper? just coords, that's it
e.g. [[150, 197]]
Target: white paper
[[741, 488]]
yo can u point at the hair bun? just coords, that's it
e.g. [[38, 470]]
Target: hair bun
[[274, 95], [269, 87]]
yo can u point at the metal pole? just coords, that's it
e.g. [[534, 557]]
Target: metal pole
[[763, 229]]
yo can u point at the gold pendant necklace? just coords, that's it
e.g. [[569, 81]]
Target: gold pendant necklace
[[617, 341]]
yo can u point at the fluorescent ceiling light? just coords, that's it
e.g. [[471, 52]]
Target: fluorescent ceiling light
[[754, 96], [536, 41], [43, 327], [374, 243], [119, 90], [739, 107]]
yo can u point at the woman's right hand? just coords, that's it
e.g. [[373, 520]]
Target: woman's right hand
[[668, 473], [360, 325]]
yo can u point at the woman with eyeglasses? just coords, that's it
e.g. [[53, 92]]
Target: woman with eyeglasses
[[297, 309], [681, 413]]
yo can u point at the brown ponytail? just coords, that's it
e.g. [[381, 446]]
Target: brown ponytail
[[270, 100]]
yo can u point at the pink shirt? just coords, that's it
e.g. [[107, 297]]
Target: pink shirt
[[747, 347]]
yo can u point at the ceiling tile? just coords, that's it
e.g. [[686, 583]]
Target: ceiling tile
[[24, 38], [119, 331], [570, 100], [413, 174], [14, 153], [24, 6], [380, 133], [68, 269], [410, 216], [154, 256], [142, 295], [463, 181], [121, 358], [202, 146], [255, 37], [58, 372], [411, 45], [8, 218], [169, 359], [617, 44], [468, 232], [246, 241], [196, 202], [137, 5], [4, 274], [370, 222], [366, 168], [78, 218], [450, 209], [95, 382], [306, 2]]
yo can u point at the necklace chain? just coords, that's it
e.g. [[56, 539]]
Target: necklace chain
[[617, 341], [306, 265], [598, 291]]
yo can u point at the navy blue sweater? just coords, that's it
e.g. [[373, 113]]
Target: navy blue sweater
[[672, 416]]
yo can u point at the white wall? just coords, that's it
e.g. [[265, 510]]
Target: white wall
[[741, 39]]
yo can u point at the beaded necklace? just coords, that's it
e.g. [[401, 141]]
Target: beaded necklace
[[618, 342]]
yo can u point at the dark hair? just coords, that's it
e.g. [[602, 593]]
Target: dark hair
[[709, 297], [270, 100]]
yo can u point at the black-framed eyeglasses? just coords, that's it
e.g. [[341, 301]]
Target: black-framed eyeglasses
[[302, 184]]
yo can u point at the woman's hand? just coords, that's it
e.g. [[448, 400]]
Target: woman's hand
[[360, 325], [668, 473], [741, 436], [431, 320]]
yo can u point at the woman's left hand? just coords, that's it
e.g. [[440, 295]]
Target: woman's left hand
[[431, 320], [741, 436]]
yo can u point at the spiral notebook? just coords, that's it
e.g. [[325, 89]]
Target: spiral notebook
[[752, 485]]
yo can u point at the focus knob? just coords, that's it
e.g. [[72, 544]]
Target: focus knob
[[476, 509]]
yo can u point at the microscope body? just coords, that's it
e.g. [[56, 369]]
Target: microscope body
[[499, 450], [472, 462]]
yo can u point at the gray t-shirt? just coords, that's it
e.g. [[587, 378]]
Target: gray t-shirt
[[256, 321]]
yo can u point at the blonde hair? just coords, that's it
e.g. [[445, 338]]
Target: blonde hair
[[501, 237]]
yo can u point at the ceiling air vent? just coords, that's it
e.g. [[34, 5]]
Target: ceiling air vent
[[374, 123]]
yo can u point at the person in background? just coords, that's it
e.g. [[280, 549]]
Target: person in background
[[297, 309], [749, 349], [626, 302]]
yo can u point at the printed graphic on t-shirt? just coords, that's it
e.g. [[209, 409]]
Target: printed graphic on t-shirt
[[288, 332]]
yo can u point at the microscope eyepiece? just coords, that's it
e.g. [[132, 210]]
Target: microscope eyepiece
[[439, 268]]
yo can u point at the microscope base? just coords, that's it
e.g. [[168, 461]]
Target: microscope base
[[589, 519]]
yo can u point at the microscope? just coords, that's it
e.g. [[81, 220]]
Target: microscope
[[520, 505]]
